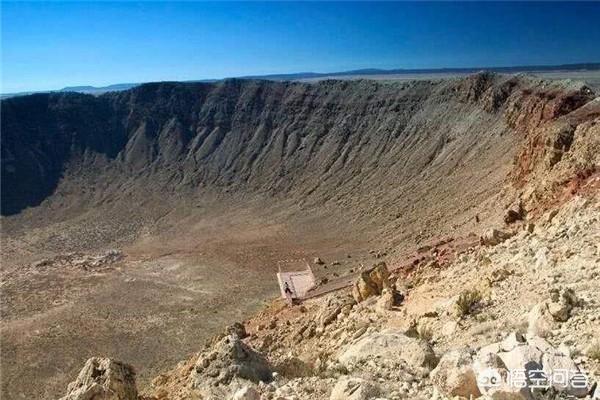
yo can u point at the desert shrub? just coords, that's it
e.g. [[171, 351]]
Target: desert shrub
[[468, 301], [425, 332], [593, 350]]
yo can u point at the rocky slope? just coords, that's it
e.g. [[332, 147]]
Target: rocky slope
[[391, 157], [245, 173], [536, 309]]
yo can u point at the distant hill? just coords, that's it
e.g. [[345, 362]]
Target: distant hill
[[97, 90], [80, 89], [402, 71], [359, 73]]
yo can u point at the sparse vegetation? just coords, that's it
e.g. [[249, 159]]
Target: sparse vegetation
[[593, 350], [467, 302], [425, 332]]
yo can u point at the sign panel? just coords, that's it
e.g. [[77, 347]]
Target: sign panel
[[295, 284]]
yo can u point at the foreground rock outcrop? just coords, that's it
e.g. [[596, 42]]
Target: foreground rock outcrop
[[455, 376], [515, 368], [388, 347], [103, 379], [229, 360]]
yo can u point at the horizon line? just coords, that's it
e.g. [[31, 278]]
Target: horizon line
[[361, 71]]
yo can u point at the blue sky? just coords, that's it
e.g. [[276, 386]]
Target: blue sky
[[49, 45]]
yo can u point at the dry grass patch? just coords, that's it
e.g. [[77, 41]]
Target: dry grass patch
[[468, 302], [593, 351]]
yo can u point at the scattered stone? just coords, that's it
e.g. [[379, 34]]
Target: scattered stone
[[330, 310], [514, 213], [389, 299], [449, 328], [493, 237], [531, 356], [454, 375], [82, 261], [353, 389], [246, 393], [539, 321], [238, 329], [530, 227], [389, 346]]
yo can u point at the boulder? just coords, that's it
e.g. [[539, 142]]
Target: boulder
[[539, 321], [526, 360], [492, 377], [246, 393], [389, 299], [556, 361], [522, 357], [380, 276], [560, 312], [229, 359], [389, 346], [514, 213], [332, 308], [449, 328], [454, 375], [237, 328], [293, 367], [569, 299], [493, 237], [363, 288], [353, 389], [513, 340], [371, 282], [596, 394], [103, 379], [318, 261]]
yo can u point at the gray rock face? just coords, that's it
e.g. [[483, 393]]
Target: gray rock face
[[353, 389], [539, 321], [103, 379], [238, 329], [330, 311], [517, 367], [543, 317], [246, 393], [454, 375], [389, 346], [493, 237], [230, 358], [389, 299]]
